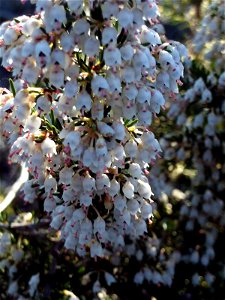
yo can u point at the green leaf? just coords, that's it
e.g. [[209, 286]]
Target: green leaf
[[12, 87], [130, 123]]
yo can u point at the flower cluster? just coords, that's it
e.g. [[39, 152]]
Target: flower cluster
[[210, 37], [195, 153], [89, 78]]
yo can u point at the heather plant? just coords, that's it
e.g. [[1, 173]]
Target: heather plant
[[88, 79]]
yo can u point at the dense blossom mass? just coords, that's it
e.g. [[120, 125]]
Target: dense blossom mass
[[88, 80], [197, 147]]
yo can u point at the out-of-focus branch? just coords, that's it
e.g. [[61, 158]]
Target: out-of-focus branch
[[28, 228], [24, 175]]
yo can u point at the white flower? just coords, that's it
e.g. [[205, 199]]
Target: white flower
[[128, 190], [56, 16], [42, 53], [72, 139], [88, 183], [125, 18], [146, 210], [149, 36], [75, 6], [165, 59], [70, 242], [85, 199], [112, 56], [127, 52], [133, 206], [120, 203], [50, 184], [144, 189], [105, 129], [102, 181], [144, 95], [109, 36], [91, 46], [99, 226], [71, 88], [109, 278], [33, 284], [10, 36], [99, 85], [81, 27], [96, 249], [139, 278], [32, 124], [135, 170], [114, 187], [83, 101], [109, 9], [48, 147], [131, 148]]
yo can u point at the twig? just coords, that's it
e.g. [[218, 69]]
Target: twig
[[24, 176]]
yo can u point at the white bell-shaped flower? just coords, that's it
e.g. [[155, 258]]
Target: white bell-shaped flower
[[91, 46], [109, 36], [125, 18], [88, 183], [112, 56], [99, 85], [83, 101], [127, 52], [128, 190]]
